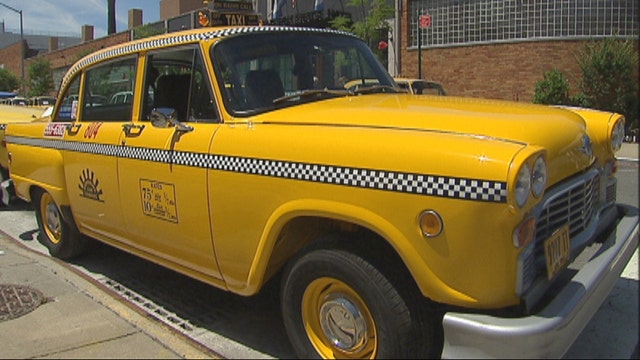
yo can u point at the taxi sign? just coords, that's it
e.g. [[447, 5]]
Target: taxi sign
[[557, 249], [207, 18]]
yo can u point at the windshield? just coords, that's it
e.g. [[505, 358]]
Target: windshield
[[254, 70]]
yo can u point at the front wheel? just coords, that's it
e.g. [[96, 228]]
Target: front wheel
[[336, 305], [59, 235]]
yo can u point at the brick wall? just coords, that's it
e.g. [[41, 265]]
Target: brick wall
[[64, 58], [10, 60], [499, 71]]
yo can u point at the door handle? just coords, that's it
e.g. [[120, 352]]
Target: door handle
[[73, 129], [131, 130]]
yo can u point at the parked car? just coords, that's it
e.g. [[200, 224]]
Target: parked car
[[19, 101], [398, 226], [42, 101], [420, 86], [122, 97]]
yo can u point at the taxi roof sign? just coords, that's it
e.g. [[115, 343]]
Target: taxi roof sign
[[226, 13]]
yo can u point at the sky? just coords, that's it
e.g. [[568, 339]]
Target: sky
[[66, 17]]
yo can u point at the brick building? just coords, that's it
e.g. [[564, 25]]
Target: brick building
[[501, 49]]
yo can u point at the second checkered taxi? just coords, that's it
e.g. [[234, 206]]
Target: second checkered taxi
[[399, 225]]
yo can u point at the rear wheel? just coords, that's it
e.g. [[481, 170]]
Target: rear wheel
[[59, 235], [336, 304]]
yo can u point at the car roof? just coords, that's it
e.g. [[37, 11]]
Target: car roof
[[182, 38]]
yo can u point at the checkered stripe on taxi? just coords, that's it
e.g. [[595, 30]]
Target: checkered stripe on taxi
[[412, 183]]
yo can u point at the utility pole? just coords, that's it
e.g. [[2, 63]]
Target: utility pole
[[24, 92], [419, 46]]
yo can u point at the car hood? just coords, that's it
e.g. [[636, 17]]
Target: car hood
[[559, 131]]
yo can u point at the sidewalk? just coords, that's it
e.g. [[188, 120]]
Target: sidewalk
[[48, 310]]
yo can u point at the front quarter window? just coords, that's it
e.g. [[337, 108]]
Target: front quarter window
[[255, 69], [68, 106]]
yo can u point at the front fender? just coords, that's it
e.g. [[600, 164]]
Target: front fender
[[349, 214]]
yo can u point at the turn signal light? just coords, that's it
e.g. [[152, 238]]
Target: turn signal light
[[524, 233], [430, 223]]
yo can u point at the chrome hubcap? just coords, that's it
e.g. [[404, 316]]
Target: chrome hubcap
[[343, 324], [53, 218]]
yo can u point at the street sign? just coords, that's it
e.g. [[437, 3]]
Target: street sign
[[425, 21]]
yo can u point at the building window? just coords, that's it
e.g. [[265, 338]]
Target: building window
[[463, 22]]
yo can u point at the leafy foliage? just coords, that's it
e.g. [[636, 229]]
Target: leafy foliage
[[609, 76], [146, 31], [40, 78], [609, 80], [553, 90], [8, 81], [372, 27]]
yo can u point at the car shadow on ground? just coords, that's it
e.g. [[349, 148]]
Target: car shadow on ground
[[253, 321]]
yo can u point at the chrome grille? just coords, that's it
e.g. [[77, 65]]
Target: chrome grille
[[574, 202], [574, 206]]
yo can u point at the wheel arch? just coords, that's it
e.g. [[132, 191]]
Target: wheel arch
[[302, 223], [59, 195]]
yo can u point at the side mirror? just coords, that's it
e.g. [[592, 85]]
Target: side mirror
[[161, 117], [166, 118]]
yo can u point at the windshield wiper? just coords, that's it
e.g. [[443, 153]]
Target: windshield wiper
[[310, 92]]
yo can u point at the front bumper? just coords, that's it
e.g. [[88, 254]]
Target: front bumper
[[550, 332]]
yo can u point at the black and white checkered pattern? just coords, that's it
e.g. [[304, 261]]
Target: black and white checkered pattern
[[412, 183]]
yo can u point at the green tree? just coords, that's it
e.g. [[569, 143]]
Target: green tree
[[553, 89], [609, 77], [146, 31], [373, 25], [40, 78], [8, 81]]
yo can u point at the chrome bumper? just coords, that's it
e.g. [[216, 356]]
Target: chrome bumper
[[550, 332]]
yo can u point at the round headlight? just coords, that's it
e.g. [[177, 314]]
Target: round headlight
[[538, 176], [617, 135], [523, 185]]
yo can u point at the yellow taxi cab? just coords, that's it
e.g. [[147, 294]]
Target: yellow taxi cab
[[399, 225]]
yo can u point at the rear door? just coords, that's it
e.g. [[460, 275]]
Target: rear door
[[92, 141]]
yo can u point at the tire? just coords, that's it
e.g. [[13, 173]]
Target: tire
[[369, 316], [59, 235]]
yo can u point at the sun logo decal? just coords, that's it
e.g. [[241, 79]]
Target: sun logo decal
[[89, 186]]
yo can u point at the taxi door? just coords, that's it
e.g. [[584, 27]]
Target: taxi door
[[89, 156], [162, 175]]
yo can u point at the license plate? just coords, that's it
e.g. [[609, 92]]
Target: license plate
[[557, 250]]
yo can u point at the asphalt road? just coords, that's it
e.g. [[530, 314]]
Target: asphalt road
[[239, 327]]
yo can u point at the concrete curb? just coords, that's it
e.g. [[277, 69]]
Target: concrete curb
[[167, 337]]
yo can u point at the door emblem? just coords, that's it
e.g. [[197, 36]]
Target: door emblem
[[90, 186]]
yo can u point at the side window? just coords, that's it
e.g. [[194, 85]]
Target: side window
[[177, 80], [68, 109], [108, 91]]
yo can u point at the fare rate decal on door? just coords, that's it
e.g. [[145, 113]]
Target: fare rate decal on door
[[159, 200]]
